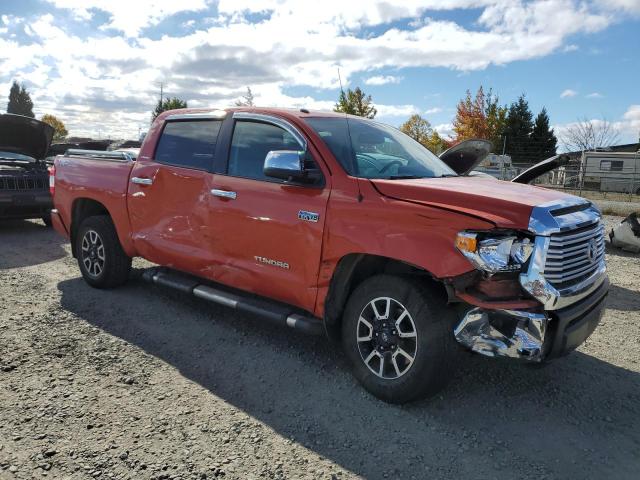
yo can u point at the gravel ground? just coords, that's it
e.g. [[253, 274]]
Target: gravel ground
[[142, 383]]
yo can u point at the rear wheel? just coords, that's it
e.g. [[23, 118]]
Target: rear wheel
[[102, 261], [398, 336]]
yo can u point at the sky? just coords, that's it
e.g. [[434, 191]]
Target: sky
[[98, 64]]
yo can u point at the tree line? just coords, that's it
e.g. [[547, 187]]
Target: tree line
[[512, 129]]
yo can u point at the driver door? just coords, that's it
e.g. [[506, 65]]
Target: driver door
[[268, 231]]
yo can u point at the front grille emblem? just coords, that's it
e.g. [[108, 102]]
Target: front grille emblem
[[592, 250]]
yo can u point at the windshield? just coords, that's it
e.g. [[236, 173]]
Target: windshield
[[14, 156], [369, 149]]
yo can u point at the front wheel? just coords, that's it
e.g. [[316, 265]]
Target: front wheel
[[102, 261], [398, 336]]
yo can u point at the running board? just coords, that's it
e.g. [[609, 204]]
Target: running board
[[269, 310]]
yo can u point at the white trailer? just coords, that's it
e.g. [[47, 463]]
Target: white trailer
[[611, 171]]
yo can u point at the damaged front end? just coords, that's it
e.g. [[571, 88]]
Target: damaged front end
[[534, 295], [504, 333]]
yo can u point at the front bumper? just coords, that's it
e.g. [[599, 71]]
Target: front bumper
[[533, 336], [25, 204]]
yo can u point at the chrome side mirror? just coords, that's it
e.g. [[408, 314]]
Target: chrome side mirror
[[292, 166], [284, 164]]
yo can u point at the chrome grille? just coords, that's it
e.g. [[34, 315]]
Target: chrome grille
[[574, 255], [23, 183]]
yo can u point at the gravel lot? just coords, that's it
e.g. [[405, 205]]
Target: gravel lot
[[142, 383]]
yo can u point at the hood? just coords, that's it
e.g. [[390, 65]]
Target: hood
[[541, 168], [24, 135], [465, 156], [506, 204]]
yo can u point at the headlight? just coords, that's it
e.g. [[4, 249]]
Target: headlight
[[495, 253]]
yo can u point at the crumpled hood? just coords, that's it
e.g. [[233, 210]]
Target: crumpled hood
[[506, 204], [25, 135]]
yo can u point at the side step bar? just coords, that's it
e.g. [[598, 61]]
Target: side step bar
[[275, 312]]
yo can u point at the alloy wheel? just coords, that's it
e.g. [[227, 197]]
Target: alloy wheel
[[387, 338], [93, 257]]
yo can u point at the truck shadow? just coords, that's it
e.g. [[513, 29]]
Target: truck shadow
[[494, 415], [32, 243]]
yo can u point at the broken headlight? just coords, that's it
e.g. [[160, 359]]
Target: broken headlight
[[495, 252]]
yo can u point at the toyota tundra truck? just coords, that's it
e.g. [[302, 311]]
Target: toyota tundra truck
[[335, 224]]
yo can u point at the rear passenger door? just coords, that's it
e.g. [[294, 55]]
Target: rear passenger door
[[268, 232], [168, 195]]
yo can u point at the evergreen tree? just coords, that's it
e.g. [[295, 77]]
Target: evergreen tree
[[247, 99], [356, 102], [518, 128], [168, 104], [496, 121], [543, 140], [20, 101]]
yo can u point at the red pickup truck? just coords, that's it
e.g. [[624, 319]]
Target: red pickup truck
[[331, 223]]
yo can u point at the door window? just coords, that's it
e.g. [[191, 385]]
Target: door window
[[250, 144], [189, 144]]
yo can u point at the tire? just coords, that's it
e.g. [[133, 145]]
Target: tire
[[433, 348], [47, 220], [97, 243]]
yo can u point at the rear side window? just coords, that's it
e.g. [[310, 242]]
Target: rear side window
[[250, 144], [189, 144]]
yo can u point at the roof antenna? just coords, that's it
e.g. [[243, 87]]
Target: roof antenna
[[354, 165]]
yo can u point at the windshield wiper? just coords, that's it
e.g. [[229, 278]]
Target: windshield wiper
[[404, 177]]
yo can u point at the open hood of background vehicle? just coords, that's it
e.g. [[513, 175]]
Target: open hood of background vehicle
[[465, 156], [24, 135], [542, 167]]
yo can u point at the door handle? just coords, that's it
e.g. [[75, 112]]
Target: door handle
[[224, 194], [141, 181]]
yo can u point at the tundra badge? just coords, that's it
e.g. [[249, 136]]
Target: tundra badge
[[273, 263], [308, 216]]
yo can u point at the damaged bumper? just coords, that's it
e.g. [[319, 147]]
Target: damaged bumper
[[503, 333], [529, 335]]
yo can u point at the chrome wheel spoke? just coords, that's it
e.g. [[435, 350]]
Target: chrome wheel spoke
[[386, 311], [411, 331], [408, 357], [381, 369], [395, 365], [369, 336]]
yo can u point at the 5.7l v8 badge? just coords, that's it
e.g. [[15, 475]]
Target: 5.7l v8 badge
[[308, 216]]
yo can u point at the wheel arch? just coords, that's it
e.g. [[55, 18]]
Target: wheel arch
[[352, 269], [83, 208]]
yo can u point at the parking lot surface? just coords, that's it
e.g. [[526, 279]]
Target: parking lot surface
[[143, 383]]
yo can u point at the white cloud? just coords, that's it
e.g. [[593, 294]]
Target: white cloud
[[570, 48], [568, 93], [432, 111], [382, 80], [387, 111], [631, 121], [111, 79], [130, 16], [445, 130], [594, 95]]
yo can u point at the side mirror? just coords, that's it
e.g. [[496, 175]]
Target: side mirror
[[290, 165]]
